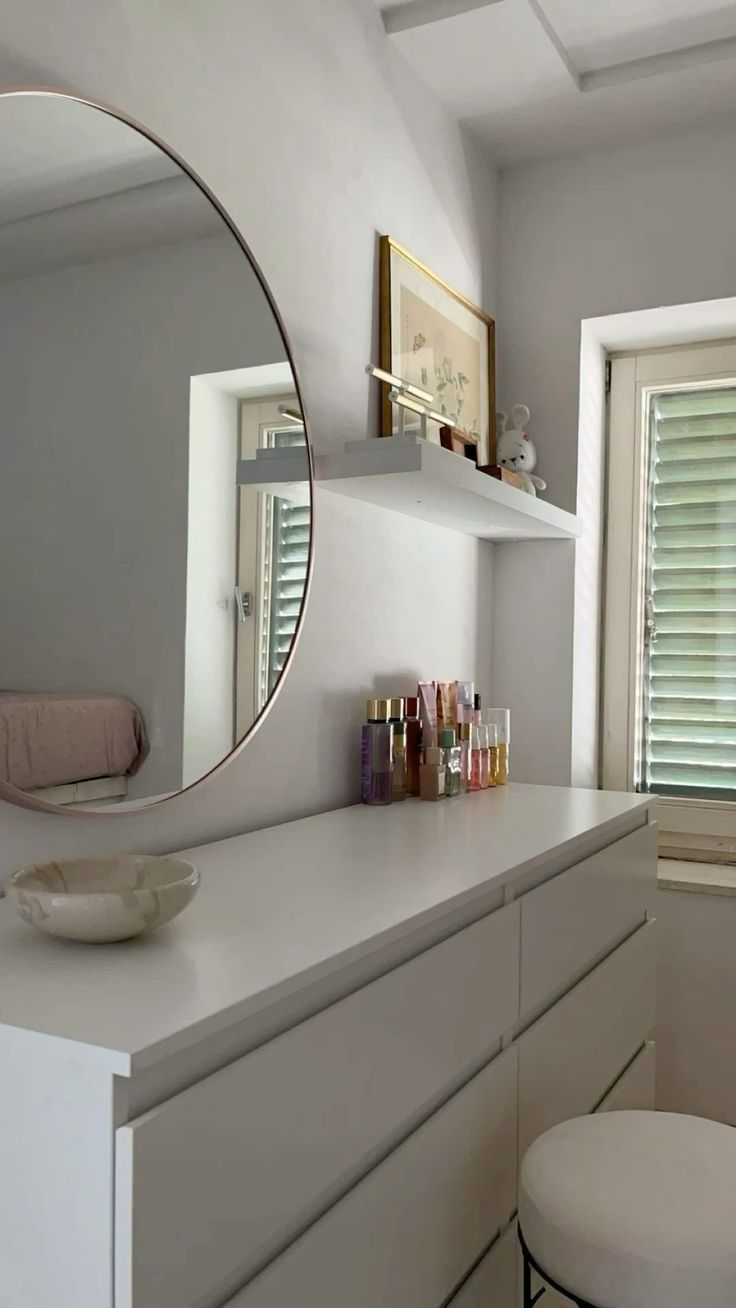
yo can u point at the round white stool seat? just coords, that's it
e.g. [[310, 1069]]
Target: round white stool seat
[[634, 1210]]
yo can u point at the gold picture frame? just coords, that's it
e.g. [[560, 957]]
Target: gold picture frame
[[424, 323]]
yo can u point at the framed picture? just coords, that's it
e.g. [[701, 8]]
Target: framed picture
[[435, 338]]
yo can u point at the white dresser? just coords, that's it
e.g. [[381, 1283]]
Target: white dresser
[[313, 1089]]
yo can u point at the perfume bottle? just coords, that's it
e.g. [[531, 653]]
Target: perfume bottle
[[452, 760], [398, 730], [432, 774], [501, 717], [476, 759], [476, 711], [413, 744], [464, 730], [485, 755], [492, 753], [377, 754]]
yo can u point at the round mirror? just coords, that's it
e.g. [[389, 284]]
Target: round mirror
[[155, 484]]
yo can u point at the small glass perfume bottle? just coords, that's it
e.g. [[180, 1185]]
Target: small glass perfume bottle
[[492, 752], [377, 754], [398, 729], [413, 744], [452, 760], [485, 756], [464, 731], [432, 774], [502, 719], [476, 711], [476, 760]]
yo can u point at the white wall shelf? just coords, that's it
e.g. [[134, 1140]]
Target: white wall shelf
[[415, 477], [283, 472]]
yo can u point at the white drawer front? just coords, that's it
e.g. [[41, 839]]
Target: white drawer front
[[405, 1235], [636, 1087], [495, 1282], [214, 1181], [571, 1056], [570, 922]]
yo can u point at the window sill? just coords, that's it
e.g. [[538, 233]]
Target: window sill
[[698, 878]]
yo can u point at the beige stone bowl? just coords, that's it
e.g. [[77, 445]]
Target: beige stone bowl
[[100, 900]]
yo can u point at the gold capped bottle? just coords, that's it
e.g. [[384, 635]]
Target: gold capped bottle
[[377, 754], [398, 730]]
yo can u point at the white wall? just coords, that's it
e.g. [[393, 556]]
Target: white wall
[[630, 228], [316, 136], [95, 367]]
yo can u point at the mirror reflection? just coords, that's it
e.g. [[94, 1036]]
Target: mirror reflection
[[155, 487]]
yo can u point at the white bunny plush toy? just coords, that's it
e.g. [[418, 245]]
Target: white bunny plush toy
[[515, 448]]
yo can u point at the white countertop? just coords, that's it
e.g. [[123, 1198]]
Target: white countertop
[[281, 908]]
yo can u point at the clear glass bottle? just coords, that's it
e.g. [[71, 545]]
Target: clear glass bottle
[[452, 758], [485, 755], [464, 731], [476, 760], [492, 753], [398, 730], [502, 719], [377, 754]]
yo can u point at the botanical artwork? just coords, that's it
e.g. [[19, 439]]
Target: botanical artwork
[[437, 355], [433, 337]]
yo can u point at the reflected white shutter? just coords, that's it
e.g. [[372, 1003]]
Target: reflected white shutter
[[688, 742], [286, 558]]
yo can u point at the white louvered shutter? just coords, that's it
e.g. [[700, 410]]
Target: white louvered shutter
[[688, 713], [286, 558]]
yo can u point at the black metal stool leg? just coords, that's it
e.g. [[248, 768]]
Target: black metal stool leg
[[529, 1299], [527, 1278], [529, 1264]]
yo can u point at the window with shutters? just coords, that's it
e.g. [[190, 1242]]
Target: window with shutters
[[669, 649], [272, 558], [284, 575]]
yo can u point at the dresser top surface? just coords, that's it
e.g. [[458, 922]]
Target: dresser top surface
[[284, 908]]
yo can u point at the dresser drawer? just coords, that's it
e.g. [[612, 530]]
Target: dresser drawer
[[495, 1282], [212, 1183], [572, 921], [406, 1234], [572, 1055], [636, 1086]]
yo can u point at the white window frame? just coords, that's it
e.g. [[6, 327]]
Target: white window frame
[[702, 829]]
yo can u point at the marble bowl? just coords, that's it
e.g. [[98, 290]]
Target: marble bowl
[[100, 900]]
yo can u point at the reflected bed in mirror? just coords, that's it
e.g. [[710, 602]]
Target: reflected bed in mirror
[[155, 497]]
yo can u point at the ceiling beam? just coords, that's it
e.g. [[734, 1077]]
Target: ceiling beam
[[691, 56], [417, 13], [555, 42]]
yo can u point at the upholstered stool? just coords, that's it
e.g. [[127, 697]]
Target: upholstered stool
[[632, 1210]]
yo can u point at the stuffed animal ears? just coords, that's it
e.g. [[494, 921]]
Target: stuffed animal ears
[[520, 416], [501, 420]]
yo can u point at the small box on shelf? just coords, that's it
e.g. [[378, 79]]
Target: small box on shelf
[[452, 438], [502, 474]]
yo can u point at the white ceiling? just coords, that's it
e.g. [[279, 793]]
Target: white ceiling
[[541, 77]]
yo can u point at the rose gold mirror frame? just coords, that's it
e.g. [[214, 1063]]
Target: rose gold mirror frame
[[11, 793]]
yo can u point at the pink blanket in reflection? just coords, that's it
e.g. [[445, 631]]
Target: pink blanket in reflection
[[52, 739]]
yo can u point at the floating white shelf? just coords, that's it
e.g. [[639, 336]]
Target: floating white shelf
[[422, 480], [283, 472]]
